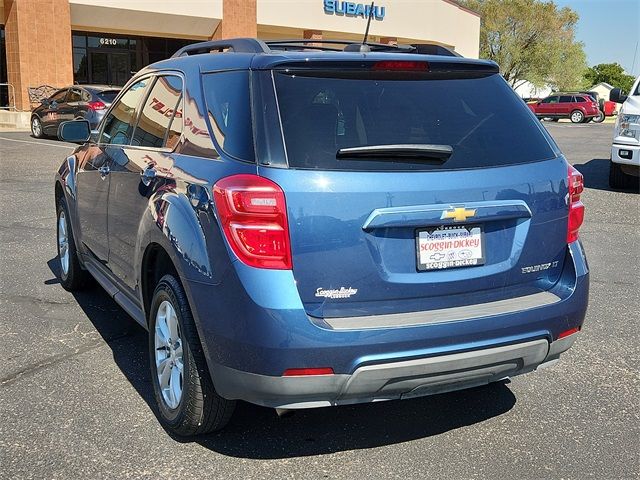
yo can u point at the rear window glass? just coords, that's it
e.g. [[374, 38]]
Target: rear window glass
[[481, 119], [108, 96]]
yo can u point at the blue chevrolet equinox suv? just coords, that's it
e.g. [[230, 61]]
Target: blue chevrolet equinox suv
[[306, 224]]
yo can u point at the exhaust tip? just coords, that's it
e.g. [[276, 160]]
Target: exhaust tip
[[284, 412]]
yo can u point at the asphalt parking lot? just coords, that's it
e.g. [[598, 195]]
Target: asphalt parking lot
[[75, 397]]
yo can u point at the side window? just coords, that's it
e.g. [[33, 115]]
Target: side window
[[566, 99], [86, 96], [159, 113], [74, 96], [227, 96], [580, 100], [119, 123], [58, 97], [550, 100]]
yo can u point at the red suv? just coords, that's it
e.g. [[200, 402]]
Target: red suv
[[575, 106]]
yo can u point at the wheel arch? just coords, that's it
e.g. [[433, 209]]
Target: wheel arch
[[156, 262]]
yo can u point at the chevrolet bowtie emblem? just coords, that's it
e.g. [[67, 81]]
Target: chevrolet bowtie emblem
[[458, 214]]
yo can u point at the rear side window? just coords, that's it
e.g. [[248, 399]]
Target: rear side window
[[580, 100], [481, 119], [74, 95], [119, 123], [58, 97], [227, 97], [159, 112], [108, 96]]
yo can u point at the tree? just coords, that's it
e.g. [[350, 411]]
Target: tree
[[611, 73], [531, 40]]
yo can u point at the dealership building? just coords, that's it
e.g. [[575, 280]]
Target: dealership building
[[60, 42]]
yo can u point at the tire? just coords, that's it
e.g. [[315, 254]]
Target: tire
[[599, 118], [72, 276], [187, 402], [555, 119], [588, 120], [617, 178], [576, 116], [37, 129]]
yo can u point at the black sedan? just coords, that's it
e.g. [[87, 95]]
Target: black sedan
[[89, 102]]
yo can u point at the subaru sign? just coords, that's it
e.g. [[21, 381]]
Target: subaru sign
[[351, 9]]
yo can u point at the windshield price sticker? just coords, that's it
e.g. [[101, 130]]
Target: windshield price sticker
[[450, 247]]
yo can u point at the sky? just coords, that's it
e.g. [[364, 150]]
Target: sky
[[610, 31]]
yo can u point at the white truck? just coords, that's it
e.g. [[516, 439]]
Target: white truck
[[624, 169]]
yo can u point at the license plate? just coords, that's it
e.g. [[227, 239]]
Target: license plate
[[450, 247]]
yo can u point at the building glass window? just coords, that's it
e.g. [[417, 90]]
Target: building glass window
[[111, 59], [80, 65]]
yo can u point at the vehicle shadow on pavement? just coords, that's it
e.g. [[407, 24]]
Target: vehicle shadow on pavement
[[596, 175], [258, 433], [127, 339]]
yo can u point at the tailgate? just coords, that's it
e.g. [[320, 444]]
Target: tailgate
[[354, 237], [380, 219]]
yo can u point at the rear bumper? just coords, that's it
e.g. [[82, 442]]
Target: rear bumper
[[393, 380], [259, 329]]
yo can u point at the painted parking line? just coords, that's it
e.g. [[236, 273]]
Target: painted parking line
[[37, 143]]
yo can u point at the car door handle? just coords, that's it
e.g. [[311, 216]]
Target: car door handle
[[148, 174], [104, 171]]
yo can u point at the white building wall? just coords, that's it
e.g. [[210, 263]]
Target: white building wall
[[196, 19], [438, 21]]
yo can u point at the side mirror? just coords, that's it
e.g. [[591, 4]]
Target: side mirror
[[74, 131], [617, 96]]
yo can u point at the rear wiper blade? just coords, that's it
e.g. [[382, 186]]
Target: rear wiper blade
[[414, 151]]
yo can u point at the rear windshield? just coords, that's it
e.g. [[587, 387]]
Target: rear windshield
[[481, 119], [108, 96]]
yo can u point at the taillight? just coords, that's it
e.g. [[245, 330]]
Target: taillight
[[576, 207], [253, 214], [401, 65], [97, 105]]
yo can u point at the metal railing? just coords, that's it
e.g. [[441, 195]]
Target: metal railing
[[39, 93], [11, 97]]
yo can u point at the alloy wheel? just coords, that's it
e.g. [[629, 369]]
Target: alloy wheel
[[36, 127], [168, 354], [63, 243]]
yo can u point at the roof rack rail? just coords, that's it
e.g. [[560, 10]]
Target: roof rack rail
[[239, 45], [253, 45], [311, 44]]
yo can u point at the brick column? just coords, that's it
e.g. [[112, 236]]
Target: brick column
[[38, 44], [239, 19]]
